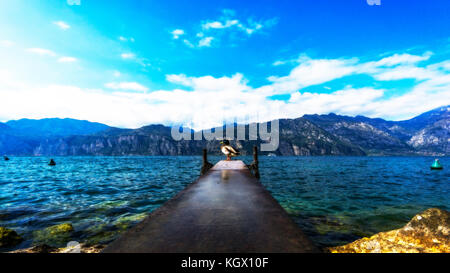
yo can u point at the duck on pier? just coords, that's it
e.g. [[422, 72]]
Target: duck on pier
[[228, 150], [52, 162]]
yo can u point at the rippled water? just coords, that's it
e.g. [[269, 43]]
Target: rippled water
[[334, 199], [337, 200]]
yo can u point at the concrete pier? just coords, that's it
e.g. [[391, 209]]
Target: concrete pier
[[227, 210]]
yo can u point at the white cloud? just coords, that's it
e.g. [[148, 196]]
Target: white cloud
[[250, 27], [397, 59], [209, 83], [404, 72], [127, 86], [230, 98], [219, 25], [310, 72], [47, 52], [41, 51], [177, 33], [189, 44], [278, 63], [347, 101], [209, 25], [62, 25], [204, 102], [6, 43], [226, 22], [179, 79], [67, 60], [444, 66], [125, 39], [205, 42], [128, 56]]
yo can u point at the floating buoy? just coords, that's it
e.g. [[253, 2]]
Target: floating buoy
[[6, 158], [52, 162], [436, 165]]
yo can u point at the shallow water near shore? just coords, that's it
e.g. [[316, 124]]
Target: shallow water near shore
[[335, 200]]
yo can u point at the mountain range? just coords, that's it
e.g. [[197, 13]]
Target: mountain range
[[426, 134]]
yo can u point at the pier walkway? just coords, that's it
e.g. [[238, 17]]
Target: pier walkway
[[227, 210]]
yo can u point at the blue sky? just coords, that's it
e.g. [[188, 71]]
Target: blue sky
[[199, 63]]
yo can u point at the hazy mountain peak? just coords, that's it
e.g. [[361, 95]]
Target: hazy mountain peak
[[55, 127]]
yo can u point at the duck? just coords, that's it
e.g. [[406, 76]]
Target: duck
[[228, 150], [52, 162], [6, 158]]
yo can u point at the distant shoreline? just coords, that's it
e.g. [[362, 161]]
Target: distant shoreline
[[310, 135]]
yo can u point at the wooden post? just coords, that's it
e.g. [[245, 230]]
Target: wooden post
[[255, 162], [205, 156], [255, 154], [206, 165]]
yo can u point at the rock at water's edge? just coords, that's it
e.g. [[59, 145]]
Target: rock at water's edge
[[427, 232], [9, 237], [55, 236], [59, 229], [48, 249]]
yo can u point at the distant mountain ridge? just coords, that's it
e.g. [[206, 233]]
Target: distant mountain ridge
[[21, 137], [54, 127], [426, 134]]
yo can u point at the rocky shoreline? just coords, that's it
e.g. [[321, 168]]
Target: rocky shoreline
[[49, 240], [76, 248], [427, 232]]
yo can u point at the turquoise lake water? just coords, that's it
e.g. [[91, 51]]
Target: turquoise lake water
[[335, 200]]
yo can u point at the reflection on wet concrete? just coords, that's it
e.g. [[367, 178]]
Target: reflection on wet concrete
[[225, 176]]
